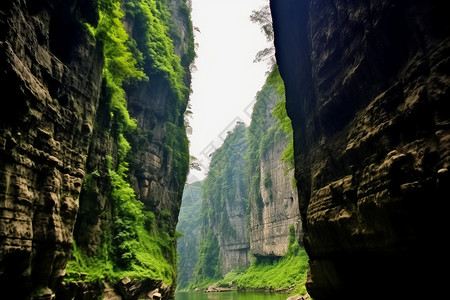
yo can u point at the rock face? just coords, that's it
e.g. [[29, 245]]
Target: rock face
[[231, 227], [50, 80], [367, 86], [234, 242], [155, 175], [272, 194], [55, 129], [224, 209], [269, 234]]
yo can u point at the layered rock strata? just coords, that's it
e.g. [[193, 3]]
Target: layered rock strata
[[55, 130], [50, 79], [269, 231], [367, 86], [224, 207], [272, 192]]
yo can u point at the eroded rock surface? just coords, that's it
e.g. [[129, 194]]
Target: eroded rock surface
[[269, 234], [55, 137], [367, 86], [49, 100]]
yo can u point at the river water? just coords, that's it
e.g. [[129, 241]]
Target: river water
[[229, 296]]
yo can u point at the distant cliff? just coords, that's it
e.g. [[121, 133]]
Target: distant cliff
[[224, 241], [367, 86], [93, 149], [250, 206], [189, 224], [272, 192]]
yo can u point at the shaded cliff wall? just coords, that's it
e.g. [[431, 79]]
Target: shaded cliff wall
[[76, 163], [367, 85], [160, 162], [51, 74], [272, 193]]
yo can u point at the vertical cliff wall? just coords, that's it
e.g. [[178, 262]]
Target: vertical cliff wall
[[272, 193], [224, 241], [138, 162], [225, 200], [367, 85], [50, 81], [93, 148]]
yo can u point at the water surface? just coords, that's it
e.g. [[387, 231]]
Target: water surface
[[229, 296]]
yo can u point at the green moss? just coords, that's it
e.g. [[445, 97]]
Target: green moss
[[270, 125], [92, 269], [153, 38], [276, 274], [137, 244], [284, 122], [287, 273], [176, 150]]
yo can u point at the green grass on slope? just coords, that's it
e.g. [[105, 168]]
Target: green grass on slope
[[286, 273]]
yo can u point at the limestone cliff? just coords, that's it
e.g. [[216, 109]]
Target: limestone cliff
[[71, 152], [367, 85], [224, 241], [269, 233], [272, 194], [226, 206], [50, 80]]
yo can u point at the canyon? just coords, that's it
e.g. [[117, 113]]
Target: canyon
[[94, 153]]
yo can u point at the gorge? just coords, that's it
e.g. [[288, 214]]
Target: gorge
[[336, 188]]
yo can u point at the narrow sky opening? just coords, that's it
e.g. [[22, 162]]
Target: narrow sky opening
[[226, 79]]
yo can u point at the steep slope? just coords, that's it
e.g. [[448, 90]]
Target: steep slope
[[138, 164], [224, 242], [94, 153], [367, 86], [50, 85], [272, 195]]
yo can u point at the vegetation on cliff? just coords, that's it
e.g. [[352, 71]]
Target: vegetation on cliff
[[226, 178], [225, 185], [136, 244], [287, 273], [154, 34], [189, 222], [270, 126]]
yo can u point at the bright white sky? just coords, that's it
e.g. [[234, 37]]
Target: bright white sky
[[226, 80]]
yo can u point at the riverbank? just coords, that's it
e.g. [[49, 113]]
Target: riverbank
[[286, 275], [231, 295]]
